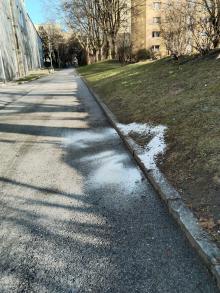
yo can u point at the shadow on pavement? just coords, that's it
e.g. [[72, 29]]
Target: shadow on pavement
[[114, 236]]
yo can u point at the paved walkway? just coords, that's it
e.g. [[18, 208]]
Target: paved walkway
[[11, 93], [76, 213]]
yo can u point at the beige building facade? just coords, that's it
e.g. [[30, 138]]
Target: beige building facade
[[145, 26]]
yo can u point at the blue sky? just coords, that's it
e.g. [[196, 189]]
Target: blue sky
[[35, 9]]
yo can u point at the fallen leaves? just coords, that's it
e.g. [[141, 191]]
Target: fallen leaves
[[208, 224]]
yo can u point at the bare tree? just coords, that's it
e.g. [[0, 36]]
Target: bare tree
[[97, 23], [52, 38], [175, 29], [82, 17], [191, 25], [57, 45], [212, 8], [205, 24], [115, 15]]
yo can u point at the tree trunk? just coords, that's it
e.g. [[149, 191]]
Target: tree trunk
[[215, 42], [113, 48], [108, 50], [96, 54], [100, 54], [88, 60]]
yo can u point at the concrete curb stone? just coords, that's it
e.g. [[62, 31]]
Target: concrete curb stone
[[197, 237]]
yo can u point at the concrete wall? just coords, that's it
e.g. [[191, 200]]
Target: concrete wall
[[20, 45]]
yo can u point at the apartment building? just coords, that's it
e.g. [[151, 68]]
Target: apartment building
[[20, 44], [145, 26]]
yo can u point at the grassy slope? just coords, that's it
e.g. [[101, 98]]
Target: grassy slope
[[187, 99]]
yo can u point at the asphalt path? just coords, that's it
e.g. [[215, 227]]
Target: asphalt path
[[76, 213]]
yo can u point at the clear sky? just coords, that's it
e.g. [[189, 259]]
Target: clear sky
[[35, 9]]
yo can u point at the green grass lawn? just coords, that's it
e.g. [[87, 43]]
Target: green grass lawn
[[33, 75], [186, 98]]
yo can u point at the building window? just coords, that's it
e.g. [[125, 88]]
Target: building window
[[157, 5], [155, 48], [155, 34], [156, 20]]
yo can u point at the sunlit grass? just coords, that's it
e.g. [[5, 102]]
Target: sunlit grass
[[33, 75], [186, 98]]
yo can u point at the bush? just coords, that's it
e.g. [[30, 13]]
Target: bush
[[125, 53], [143, 54]]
